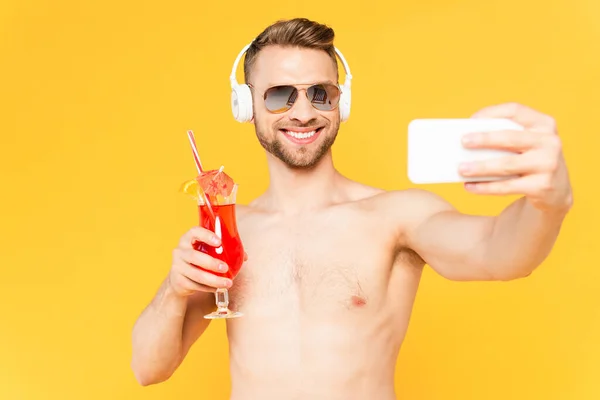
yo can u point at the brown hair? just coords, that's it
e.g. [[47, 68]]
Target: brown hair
[[297, 32]]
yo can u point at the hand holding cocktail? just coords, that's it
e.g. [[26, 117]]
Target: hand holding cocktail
[[215, 193], [186, 277]]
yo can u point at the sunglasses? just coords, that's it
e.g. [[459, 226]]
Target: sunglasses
[[322, 96]]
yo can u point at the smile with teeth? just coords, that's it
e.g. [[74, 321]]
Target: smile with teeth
[[301, 135]]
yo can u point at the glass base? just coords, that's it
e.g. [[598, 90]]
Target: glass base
[[223, 313], [222, 300]]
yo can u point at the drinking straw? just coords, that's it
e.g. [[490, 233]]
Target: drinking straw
[[200, 170], [195, 151]]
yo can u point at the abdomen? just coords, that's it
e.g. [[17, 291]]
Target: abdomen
[[282, 353]]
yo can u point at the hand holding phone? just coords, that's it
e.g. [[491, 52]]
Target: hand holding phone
[[513, 150]]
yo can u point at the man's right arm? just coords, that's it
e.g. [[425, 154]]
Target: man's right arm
[[165, 331], [174, 319]]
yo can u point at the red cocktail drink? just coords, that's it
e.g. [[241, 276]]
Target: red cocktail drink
[[231, 250], [216, 193]]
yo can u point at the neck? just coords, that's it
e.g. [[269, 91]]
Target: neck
[[292, 190]]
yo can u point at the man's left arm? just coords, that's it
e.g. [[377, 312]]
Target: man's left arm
[[513, 243]]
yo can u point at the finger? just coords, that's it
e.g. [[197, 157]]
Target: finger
[[522, 185], [516, 141], [501, 166], [505, 187], [203, 260], [189, 285], [201, 235], [205, 278], [522, 115], [245, 256]]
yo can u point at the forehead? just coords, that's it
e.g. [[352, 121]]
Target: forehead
[[277, 65]]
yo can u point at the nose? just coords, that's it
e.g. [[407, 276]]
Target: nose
[[302, 110]]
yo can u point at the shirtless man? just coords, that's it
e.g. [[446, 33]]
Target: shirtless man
[[333, 265]]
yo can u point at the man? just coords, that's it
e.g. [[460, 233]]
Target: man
[[333, 265]]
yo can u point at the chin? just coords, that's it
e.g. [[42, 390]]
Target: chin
[[301, 164], [298, 147], [305, 157]]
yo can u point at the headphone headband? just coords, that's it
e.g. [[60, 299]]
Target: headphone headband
[[233, 80]]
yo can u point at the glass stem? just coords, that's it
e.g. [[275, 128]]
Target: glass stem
[[222, 300]]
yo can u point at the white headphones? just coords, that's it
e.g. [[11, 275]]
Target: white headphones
[[241, 98]]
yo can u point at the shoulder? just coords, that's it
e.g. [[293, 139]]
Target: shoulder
[[403, 203], [244, 211], [409, 201], [251, 214], [407, 208]]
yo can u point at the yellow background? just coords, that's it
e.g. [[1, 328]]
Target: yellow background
[[95, 99]]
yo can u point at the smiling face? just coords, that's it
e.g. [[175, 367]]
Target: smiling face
[[302, 135]]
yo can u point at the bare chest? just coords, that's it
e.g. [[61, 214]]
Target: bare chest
[[312, 266]]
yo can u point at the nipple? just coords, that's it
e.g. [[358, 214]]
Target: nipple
[[358, 301]]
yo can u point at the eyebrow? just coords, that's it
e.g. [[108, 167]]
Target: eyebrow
[[272, 84]]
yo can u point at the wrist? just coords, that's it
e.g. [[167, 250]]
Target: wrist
[[556, 206], [170, 302], [560, 207]]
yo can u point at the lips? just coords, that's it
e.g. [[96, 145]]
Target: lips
[[302, 135]]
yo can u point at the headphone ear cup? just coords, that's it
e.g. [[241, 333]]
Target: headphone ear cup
[[345, 101], [241, 103]]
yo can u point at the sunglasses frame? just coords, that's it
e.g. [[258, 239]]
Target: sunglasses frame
[[305, 90]]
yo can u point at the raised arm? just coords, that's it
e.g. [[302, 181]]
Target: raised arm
[[174, 319], [512, 244]]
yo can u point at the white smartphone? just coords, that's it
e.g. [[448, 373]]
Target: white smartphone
[[435, 149]]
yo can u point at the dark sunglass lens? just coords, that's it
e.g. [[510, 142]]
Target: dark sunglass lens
[[324, 97], [280, 98]]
